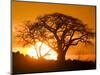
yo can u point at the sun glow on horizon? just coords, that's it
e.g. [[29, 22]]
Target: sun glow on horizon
[[33, 51]]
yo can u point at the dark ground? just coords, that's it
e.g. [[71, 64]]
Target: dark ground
[[25, 64]]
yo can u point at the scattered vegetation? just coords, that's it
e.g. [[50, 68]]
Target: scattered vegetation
[[26, 64]]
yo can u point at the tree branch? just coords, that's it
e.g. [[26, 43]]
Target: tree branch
[[46, 53]]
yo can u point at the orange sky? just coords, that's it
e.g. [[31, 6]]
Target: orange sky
[[22, 11]]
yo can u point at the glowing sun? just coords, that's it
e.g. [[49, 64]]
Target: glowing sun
[[36, 51]]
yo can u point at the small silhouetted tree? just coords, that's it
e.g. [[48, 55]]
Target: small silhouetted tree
[[58, 31]]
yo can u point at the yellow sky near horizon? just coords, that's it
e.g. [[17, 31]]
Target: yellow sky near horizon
[[23, 11]]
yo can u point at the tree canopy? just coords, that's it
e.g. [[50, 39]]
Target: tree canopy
[[57, 30]]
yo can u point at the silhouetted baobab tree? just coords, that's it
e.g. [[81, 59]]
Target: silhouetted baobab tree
[[58, 31]]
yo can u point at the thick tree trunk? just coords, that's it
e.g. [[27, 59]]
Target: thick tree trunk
[[61, 54], [61, 58]]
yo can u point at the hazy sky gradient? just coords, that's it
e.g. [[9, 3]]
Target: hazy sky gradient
[[23, 11]]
